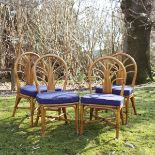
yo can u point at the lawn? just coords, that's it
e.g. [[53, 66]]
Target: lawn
[[138, 138]]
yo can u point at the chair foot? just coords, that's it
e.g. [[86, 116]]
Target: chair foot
[[122, 116], [43, 114], [81, 119], [32, 107], [127, 109], [65, 115], [59, 112], [38, 115], [133, 104], [77, 118], [96, 114], [118, 111], [18, 98], [91, 113]]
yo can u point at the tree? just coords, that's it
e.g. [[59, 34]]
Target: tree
[[137, 39], [76, 30]]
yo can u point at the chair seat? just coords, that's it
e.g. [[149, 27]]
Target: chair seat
[[103, 99], [31, 90], [57, 97], [128, 90]]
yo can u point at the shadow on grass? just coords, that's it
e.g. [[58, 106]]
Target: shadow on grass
[[18, 138]]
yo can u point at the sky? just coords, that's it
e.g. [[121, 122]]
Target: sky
[[101, 6], [97, 3], [104, 8]]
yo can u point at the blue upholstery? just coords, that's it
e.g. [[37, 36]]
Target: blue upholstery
[[57, 97], [103, 99], [98, 89], [128, 90], [30, 90]]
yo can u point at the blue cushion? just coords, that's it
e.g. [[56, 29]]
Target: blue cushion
[[103, 99], [98, 89], [128, 90], [57, 97], [31, 90]]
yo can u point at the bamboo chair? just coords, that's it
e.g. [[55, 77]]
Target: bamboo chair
[[104, 70], [25, 81], [54, 70], [131, 70]]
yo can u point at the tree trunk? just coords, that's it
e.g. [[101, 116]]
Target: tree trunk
[[137, 39]]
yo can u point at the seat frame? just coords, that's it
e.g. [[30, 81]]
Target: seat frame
[[29, 80], [43, 108], [116, 109], [131, 97]]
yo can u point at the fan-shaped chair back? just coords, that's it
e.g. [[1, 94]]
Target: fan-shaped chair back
[[130, 66], [23, 69], [105, 71], [50, 70]]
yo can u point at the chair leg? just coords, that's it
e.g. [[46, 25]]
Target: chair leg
[[127, 109], [38, 115], [77, 118], [91, 113], [65, 115], [43, 114], [117, 122], [32, 106], [59, 111], [133, 104], [81, 119], [18, 98], [96, 114], [122, 116]]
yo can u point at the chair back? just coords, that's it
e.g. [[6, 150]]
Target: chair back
[[50, 70], [23, 69], [105, 70], [130, 66]]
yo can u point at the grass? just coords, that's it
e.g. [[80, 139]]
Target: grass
[[138, 138]]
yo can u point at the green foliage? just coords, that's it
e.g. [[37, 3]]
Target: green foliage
[[17, 138]]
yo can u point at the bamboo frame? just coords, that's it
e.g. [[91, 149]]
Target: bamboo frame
[[106, 67], [54, 62], [123, 57], [25, 61]]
